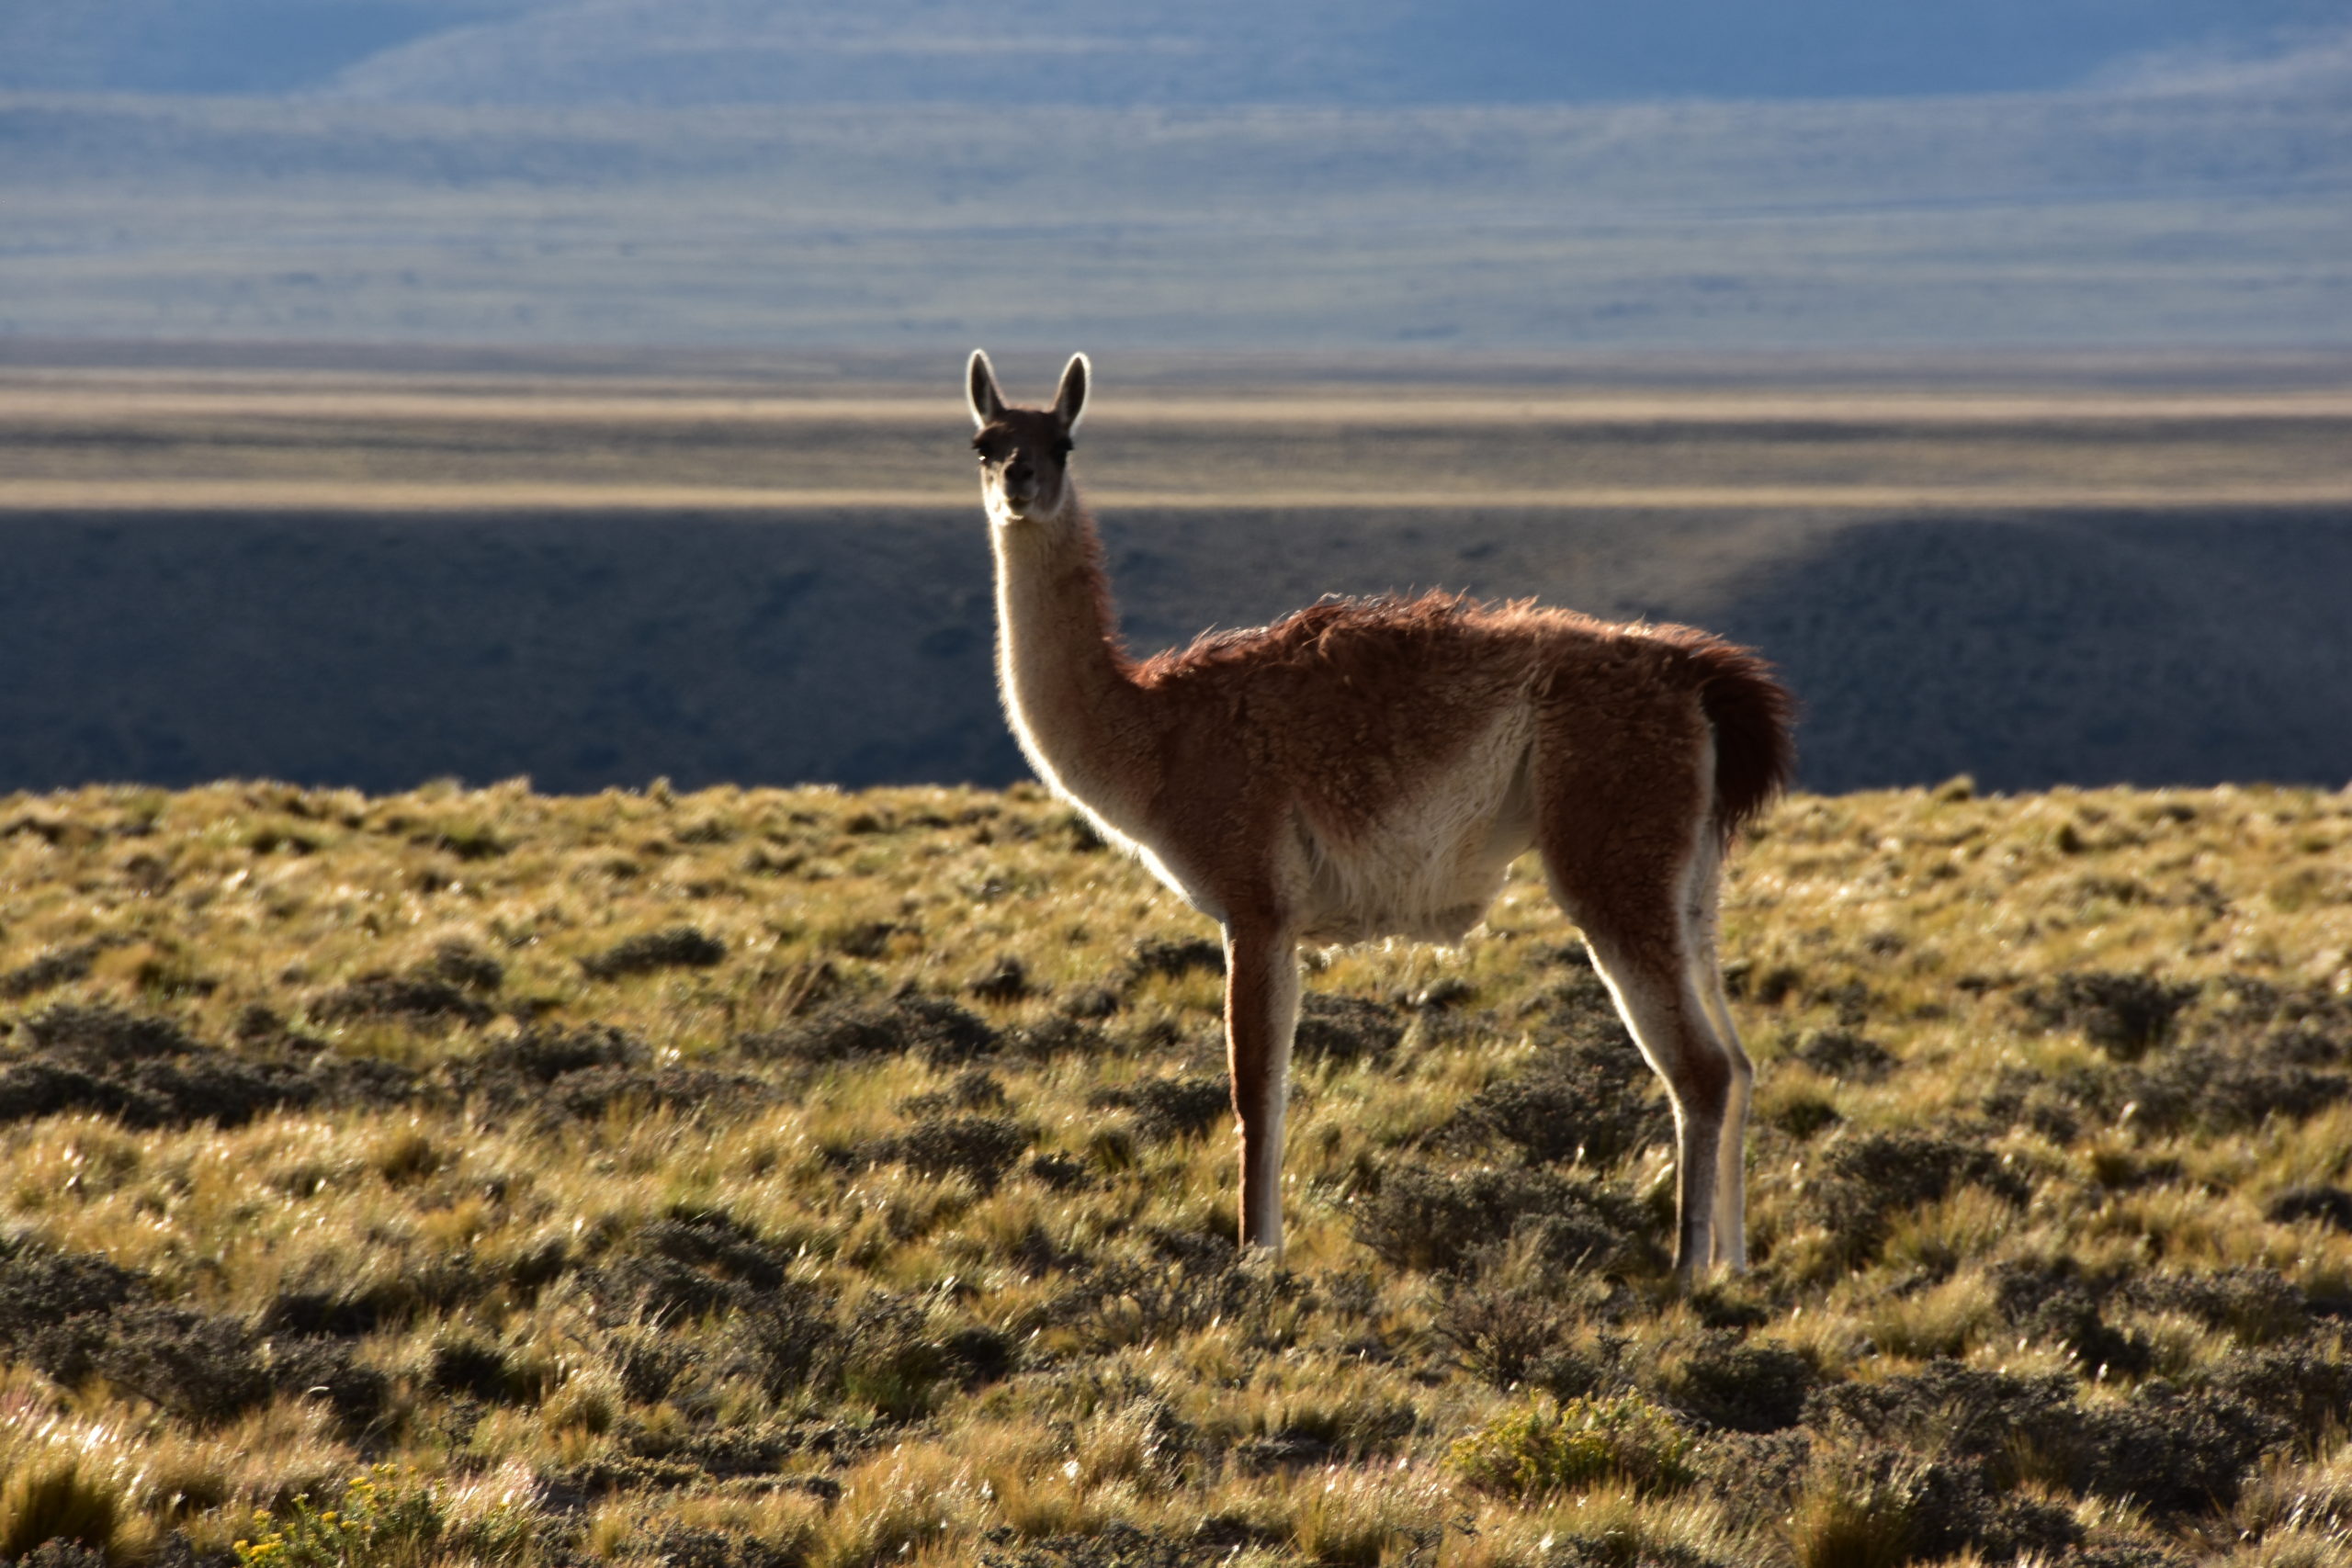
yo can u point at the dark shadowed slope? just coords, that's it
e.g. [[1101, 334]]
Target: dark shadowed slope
[[588, 649], [2098, 648]]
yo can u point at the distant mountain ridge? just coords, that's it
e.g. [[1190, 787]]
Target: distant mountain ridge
[[1169, 52], [1179, 173], [2217, 214]]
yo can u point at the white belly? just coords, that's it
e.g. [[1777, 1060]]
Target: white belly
[[1429, 867]]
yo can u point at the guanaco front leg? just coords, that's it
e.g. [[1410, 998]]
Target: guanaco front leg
[[1260, 1016]]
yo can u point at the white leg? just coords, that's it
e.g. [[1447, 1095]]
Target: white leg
[[1667, 1017], [1706, 979]]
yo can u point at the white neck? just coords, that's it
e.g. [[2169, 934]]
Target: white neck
[[1066, 684]]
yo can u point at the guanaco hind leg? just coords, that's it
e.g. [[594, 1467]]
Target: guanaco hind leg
[[1260, 1018], [1706, 978], [1633, 862], [1668, 1020]]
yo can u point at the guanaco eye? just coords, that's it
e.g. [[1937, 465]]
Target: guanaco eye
[[1065, 446]]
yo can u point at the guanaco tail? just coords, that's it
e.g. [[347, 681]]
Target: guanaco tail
[[1370, 767]]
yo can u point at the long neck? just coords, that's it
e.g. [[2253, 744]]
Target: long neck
[[1069, 687]]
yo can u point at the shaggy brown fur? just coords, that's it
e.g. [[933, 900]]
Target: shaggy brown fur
[[1383, 643], [1370, 767]]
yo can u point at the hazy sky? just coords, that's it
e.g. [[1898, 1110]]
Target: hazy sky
[[685, 51]]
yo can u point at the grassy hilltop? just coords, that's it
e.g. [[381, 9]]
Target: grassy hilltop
[[757, 1178]]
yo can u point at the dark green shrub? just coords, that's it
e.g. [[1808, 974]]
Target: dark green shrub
[[410, 997], [1505, 1337], [57, 967], [1870, 1178], [2255, 1305], [1005, 981], [2173, 1451], [1346, 1029], [947, 1034], [1962, 1412], [1755, 1477], [1743, 1386], [479, 1371], [1171, 1107], [2124, 1015], [974, 1089], [2056, 1301], [1433, 1220], [1843, 1054], [680, 947], [1157, 955], [981, 1148], [462, 964], [1587, 1100], [2308, 1386]]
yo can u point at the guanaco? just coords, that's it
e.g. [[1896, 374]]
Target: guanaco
[[1370, 767]]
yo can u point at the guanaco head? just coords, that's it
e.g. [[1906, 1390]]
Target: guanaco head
[[1025, 453]]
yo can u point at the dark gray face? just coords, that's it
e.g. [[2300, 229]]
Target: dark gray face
[[1025, 453], [1024, 463]]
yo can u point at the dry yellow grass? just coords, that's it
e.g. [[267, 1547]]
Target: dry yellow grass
[[760, 1177]]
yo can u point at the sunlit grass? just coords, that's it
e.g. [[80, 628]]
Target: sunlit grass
[[736, 1255]]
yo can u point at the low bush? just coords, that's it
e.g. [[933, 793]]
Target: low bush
[[680, 947], [426, 999], [2124, 1015], [1171, 1107], [1870, 1178], [1743, 1385], [1843, 1054], [980, 1148], [947, 1035], [1442, 1220], [1583, 1101], [1346, 1029]]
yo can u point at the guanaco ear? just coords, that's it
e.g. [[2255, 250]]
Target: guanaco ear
[[1070, 401], [980, 390]]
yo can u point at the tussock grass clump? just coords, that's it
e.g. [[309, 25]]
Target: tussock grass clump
[[1543, 1448], [338, 1132], [384, 1520]]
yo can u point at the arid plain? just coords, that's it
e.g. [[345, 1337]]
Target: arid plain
[[1855, 436], [757, 1176], [595, 571]]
